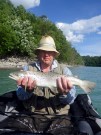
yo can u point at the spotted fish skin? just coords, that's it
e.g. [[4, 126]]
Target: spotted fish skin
[[49, 79]]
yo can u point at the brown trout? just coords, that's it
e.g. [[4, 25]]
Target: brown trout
[[49, 79]]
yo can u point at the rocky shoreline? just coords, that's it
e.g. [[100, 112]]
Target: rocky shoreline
[[13, 62]]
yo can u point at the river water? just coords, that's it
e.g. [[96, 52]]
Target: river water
[[87, 73]]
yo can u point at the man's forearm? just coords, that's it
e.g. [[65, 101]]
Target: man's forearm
[[22, 94], [69, 98]]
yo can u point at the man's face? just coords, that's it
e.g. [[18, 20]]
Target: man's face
[[46, 57]]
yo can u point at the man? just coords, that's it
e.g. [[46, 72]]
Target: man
[[44, 101], [51, 108]]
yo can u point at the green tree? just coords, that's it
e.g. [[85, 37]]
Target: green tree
[[92, 61], [21, 31], [24, 31]]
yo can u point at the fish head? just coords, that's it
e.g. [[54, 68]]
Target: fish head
[[18, 74]]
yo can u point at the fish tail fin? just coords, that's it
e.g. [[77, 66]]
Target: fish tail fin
[[87, 86]]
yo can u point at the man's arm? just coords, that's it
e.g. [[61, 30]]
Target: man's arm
[[21, 93], [70, 96]]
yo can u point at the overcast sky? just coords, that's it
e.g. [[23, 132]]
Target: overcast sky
[[80, 21]]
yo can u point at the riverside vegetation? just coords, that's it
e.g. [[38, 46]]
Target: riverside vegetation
[[21, 30]]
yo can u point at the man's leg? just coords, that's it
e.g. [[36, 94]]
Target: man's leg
[[84, 127], [61, 126], [99, 133]]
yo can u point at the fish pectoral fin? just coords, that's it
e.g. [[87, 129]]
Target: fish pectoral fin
[[26, 86], [52, 89]]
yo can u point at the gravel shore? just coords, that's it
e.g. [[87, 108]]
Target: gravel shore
[[13, 62]]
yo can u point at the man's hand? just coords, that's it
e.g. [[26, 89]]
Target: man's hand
[[27, 83], [63, 85]]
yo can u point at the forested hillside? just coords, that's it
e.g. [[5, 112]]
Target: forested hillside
[[20, 32], [92, 61]]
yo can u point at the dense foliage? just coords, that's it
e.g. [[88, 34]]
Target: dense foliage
[[20, 32], [92, 61]]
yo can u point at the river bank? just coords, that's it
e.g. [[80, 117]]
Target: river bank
[[15, 62]]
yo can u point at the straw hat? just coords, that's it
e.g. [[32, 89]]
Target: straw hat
[[47, 44]]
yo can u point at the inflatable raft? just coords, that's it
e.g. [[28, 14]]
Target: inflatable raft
[[11, 110]]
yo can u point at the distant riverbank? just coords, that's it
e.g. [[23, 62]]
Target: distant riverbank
[[12, 62]]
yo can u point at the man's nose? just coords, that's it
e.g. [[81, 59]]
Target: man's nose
[[46, 53]]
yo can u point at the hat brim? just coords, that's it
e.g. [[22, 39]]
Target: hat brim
[[46, 48]]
